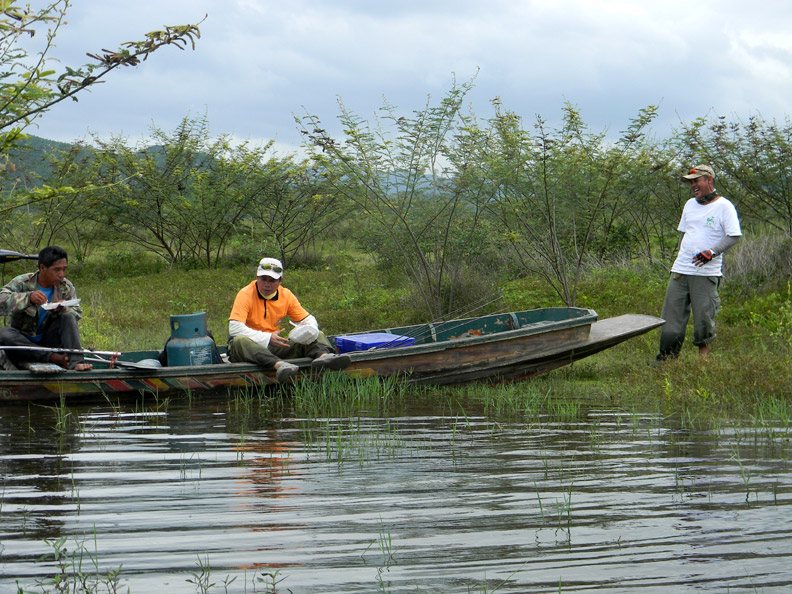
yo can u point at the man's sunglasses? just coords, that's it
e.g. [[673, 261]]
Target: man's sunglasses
[[275, 269]]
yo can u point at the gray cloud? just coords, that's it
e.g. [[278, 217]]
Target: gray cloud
[[260, 61]]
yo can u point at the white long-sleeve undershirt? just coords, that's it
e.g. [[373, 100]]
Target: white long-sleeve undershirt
[[237, 328]]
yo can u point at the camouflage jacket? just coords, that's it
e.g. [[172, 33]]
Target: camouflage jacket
[[15, 302]]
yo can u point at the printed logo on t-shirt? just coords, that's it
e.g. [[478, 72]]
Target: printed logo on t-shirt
[[710, 224]]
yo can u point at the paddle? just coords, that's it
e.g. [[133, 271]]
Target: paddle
[[128, 364], [9, 256], [113, 355], [111, 362]]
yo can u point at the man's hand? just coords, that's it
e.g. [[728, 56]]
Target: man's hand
[[703, 257], [38, 298], [279, 341]]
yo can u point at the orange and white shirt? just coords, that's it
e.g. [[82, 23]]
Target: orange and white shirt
[[260, 317]]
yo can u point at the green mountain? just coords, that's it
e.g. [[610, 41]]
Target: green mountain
[[29, 162]]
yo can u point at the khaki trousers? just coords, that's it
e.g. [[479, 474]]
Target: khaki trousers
[[686, 294], [242, 349]]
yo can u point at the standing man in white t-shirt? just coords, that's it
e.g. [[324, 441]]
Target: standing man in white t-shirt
[[709, 227]]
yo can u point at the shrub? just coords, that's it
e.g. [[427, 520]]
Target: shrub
[[758, 261]]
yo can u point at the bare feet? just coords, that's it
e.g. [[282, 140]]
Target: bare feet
[[62, 360], [59, 359]]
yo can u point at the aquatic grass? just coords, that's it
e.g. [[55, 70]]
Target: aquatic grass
[[269, 579], [186, 466], [521, 400], [61, 413], [385, 542], [153, 411], [465, 425], [76, 570], [539, 498], [246, 399], [201, 578], [562, 409], [524, 401], [775, 408], [227, 581], [564, 513], [772, 416], [745, 473], [485, 587], [114, 406], [30, 428], [347, 440], [341, 395], [249, 407], [595, 433]]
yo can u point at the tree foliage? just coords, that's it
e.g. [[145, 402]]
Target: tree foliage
[[30, 84], [753, 164], [46, 203], [180, 195], [296, 205], [55, 212], [412, 209], [563, 195]]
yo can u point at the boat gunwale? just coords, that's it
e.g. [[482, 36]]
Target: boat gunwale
[[602, 334], [500, 336], [228, 368]]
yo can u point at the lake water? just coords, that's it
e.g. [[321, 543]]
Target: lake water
[[210, 495]]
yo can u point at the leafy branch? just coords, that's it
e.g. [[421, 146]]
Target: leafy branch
[[28, 88]]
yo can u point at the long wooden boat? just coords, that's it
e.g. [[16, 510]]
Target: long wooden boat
[[502, 347]]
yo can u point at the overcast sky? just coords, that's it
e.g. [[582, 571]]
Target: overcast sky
[[261, 61]]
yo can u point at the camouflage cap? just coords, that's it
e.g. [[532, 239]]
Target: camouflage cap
[[698, 171]]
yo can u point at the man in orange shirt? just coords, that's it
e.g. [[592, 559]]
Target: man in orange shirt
[[254, 327]]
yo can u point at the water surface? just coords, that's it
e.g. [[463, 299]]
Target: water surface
[[196, 496]]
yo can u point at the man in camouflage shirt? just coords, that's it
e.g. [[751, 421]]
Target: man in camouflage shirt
[[30, 325]]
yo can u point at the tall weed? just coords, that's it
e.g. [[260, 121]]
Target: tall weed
[[758, 261]]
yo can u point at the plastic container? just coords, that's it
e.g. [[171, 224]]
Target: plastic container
[[372, 340], [189, 344]]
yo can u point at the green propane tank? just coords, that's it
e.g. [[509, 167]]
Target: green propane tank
[[189, 344]]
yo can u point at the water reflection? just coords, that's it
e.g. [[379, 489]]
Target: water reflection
[[431, 501], [37, 487]]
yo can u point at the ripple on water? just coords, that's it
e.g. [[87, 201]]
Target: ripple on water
[[427, 503]]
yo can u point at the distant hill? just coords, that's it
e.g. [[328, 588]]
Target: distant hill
[[29, 162]]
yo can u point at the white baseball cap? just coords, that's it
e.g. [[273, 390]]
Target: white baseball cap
[[270, 267]]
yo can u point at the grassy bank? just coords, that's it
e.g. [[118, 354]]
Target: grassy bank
[[127, 306]]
